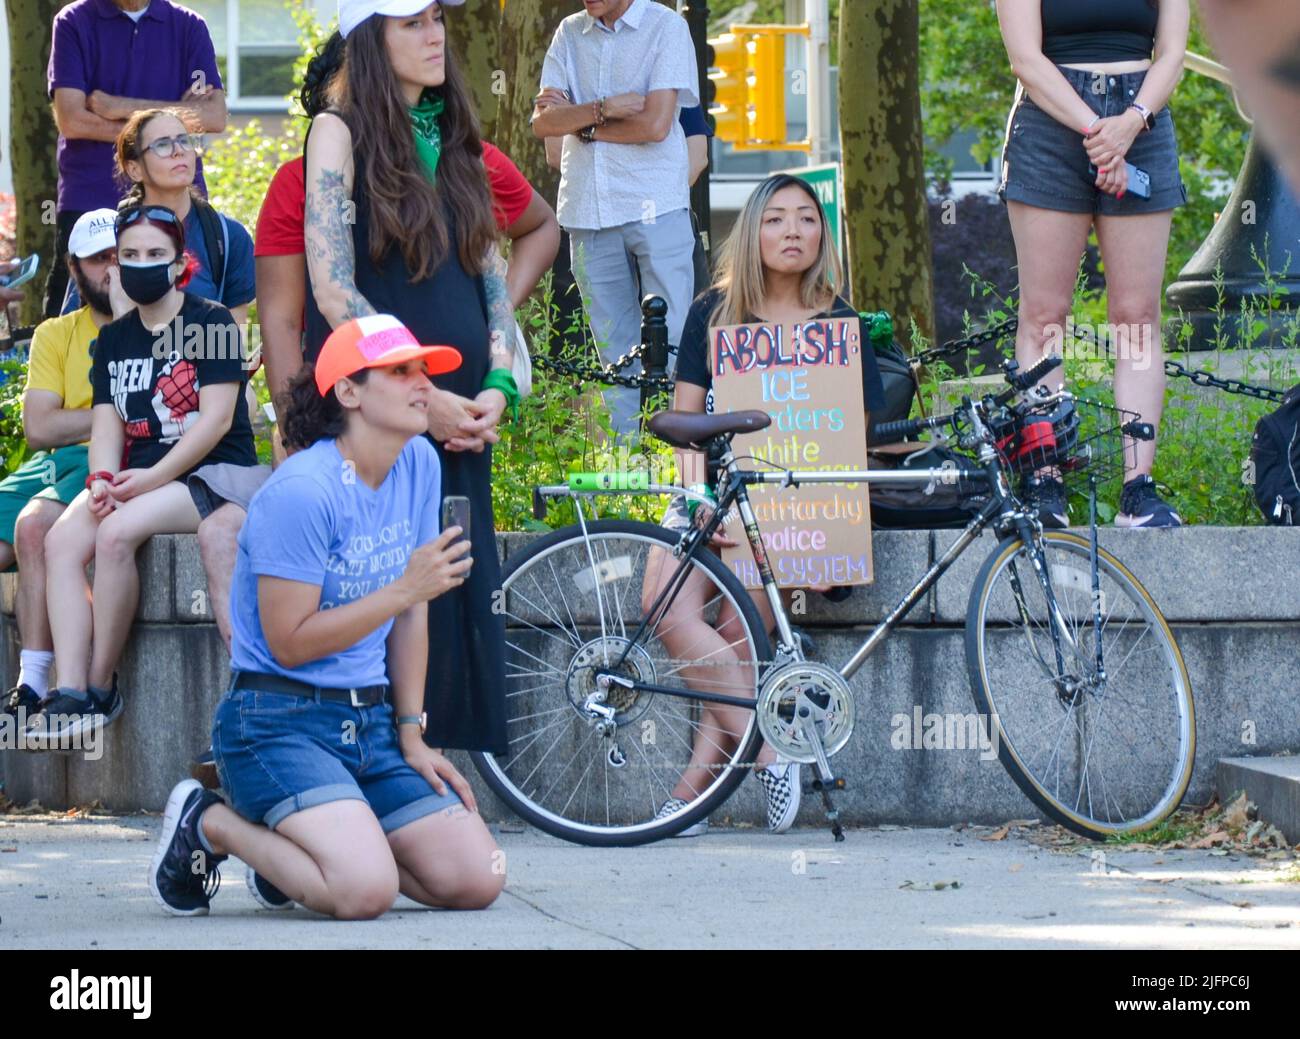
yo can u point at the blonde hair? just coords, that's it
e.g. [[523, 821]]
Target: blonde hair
[[740, 265]]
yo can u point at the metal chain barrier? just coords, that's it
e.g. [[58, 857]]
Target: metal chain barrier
[[1173, 369], [609, 374]]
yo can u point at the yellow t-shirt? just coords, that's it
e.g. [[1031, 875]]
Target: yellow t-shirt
[[61, 357]]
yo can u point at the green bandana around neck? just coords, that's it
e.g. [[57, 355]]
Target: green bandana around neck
[[428, 134]]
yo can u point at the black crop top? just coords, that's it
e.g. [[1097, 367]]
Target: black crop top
[[1098, 30]]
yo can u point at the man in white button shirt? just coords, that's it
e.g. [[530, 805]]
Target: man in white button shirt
[[615, 78]]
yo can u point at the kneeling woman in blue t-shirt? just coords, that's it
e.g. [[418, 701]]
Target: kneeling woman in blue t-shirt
[[337, 802]]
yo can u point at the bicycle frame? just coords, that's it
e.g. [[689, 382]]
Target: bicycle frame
[[1002, 512]]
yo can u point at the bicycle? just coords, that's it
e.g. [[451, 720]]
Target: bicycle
[[1069, 658]]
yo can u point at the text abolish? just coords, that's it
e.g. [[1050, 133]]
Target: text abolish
[[826, 341]]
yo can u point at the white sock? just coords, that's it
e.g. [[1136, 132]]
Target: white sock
[[34, 669]]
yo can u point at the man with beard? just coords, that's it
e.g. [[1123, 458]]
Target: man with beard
[[56, 422]]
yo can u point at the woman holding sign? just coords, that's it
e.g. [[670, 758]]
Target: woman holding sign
[[779, 266]]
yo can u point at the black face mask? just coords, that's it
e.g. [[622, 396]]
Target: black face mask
[[148, 283]]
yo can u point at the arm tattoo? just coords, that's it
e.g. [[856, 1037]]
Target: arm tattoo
[[1287, 68], [501, 315], [329, 239]]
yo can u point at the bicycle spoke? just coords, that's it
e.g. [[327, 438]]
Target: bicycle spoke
[[1115, 754], [575, 605]]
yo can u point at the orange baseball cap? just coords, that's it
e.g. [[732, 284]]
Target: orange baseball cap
[[376, 341]]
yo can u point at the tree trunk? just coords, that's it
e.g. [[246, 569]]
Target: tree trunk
[[526, 32], [476, 36], [884, 162], [33, 137]]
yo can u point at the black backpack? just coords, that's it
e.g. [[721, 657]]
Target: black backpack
[[1275, 454], [898, 381], [216, 236]]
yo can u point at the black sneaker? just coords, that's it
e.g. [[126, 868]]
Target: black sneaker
[[1141, 506], [266, 894], [183, 875], [21, 698], [69, 713], [204, 769], [1047, 495]]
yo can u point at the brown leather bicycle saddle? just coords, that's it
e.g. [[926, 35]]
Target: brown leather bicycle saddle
[[693, 431]]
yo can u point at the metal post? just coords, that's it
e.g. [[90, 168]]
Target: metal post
[[696, 13], [654, 337], [819, 81]]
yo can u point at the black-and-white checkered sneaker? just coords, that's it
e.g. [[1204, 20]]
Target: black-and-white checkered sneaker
[[781, 785], [674, 805]]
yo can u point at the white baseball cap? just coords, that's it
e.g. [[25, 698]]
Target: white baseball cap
[[353, 12], [93, 233]]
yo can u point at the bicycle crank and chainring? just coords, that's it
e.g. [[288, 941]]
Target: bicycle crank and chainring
[[802, 691]]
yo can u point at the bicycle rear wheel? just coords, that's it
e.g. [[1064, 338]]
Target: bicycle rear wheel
[[1101, 755], [599, 771]]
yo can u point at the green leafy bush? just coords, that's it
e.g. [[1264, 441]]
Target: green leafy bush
[[563, 427]]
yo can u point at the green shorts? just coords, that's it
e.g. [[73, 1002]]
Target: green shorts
[[58, 475]]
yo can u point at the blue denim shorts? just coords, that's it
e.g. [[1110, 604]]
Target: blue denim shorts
[[278, 754], [1044, 162]]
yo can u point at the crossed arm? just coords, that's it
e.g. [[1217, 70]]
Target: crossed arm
[[631, 118], [101, 116]]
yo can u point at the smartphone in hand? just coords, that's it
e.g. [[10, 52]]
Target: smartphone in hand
[[21, 274], [1139, 181], [455, 513]]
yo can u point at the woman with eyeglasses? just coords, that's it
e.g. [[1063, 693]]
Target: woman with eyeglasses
[[168, 377], [156, 157]]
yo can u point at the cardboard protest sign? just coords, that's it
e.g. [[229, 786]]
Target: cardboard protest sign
[[808, 377]]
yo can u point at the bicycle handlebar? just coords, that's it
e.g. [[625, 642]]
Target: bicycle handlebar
[[902, 429], [1022, 381], [911, 428]]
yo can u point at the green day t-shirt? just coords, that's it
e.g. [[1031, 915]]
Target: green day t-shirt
[[153, 379], [315, 521]]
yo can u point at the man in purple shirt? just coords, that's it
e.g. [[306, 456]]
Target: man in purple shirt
[[108, 59]]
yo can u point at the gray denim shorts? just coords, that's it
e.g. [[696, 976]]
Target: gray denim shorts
[[1044, 162]]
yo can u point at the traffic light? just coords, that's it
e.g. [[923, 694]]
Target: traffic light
[[765, 55], [748, 81], [730, 88]]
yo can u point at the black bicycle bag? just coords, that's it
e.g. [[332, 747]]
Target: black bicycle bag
[[1275, 455], [937, 506]]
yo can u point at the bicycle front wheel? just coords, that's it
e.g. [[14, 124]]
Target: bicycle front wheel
[[646, 756], [1100, 749]]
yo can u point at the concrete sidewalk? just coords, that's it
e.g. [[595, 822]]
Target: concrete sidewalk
[[77, 883]]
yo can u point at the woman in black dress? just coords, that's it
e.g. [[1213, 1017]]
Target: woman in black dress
[[399, 220]]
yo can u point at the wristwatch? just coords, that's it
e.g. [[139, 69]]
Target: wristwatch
[[1148, 117], [588, 134], [421, 719]]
